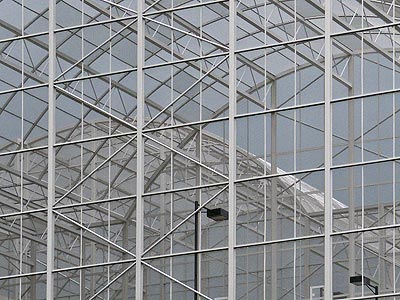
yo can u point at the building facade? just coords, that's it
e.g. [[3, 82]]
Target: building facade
[[213, 149]]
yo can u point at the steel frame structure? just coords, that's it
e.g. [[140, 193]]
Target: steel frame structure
[[118, 115]]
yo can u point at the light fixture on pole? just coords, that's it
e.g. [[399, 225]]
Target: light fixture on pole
[[216, 214], [360, 280]]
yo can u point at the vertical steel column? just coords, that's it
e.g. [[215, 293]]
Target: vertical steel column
[[352, 219], [51, 153], [328, 292], [232, 153], [383, 241], [125, 244], [196, 247], [274, 200], [197, 221], [33, 269], [93, 272], [163, 223], [307, 260], [140, 150]]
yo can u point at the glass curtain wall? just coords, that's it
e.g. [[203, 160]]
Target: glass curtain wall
[[210, 149]]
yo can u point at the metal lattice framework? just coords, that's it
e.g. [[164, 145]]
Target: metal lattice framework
[[118, 116]]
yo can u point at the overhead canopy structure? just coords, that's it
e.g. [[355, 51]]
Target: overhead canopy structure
[[117, 116]]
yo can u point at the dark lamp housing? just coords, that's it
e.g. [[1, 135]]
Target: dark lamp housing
[[358, 280], [217, 214]]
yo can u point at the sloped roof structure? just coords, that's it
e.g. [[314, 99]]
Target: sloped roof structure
[[118, 116]]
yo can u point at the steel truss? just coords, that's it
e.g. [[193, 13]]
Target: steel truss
[[118, 115]]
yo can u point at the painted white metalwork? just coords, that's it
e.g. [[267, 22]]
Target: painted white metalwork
[[117, 116]]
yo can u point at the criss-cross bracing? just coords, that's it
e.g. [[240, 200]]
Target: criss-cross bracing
[[124, 121]]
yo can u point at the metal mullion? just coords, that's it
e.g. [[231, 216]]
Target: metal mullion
[[265, 150], [81, 233], [362, 148], [328, 246], [140, 151], [172, 164], [295, 112], [109, 146], [232, 153], [51, 153], [21, 161], [394, 152]]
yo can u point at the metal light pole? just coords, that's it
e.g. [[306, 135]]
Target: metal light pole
[[216, 214], [196, 246]]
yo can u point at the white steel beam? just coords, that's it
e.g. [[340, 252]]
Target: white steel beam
[[328, 291], [232, 153], [51, 153], [140, 150]]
